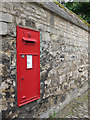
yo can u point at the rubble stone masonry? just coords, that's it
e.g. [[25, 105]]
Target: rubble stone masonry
[[63, 59]]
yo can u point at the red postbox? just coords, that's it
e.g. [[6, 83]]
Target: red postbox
[[28, 65]]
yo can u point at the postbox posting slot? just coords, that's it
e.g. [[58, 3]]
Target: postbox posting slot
[[29, 40]]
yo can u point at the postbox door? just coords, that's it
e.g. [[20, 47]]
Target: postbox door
[[28, 70], [29, 77]]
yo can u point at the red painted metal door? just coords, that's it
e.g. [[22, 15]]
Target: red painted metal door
[[28, 65]]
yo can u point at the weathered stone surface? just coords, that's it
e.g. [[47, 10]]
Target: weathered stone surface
[[30, 23], [5, 17], [3, 28]]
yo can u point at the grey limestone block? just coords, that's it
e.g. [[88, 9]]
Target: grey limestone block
[[5, 17], [3, 28]]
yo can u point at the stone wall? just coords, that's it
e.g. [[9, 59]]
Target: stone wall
[[63, 59]]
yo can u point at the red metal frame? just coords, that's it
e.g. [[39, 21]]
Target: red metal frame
[[31, 74]]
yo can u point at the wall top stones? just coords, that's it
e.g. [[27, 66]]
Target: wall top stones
[[65, 13], [53, 6]]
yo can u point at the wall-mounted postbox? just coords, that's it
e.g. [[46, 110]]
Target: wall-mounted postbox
[[28, 65]]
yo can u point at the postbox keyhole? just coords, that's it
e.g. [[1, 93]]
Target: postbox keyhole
[[22, 78]]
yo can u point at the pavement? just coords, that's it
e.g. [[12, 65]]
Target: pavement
[[76, 109]]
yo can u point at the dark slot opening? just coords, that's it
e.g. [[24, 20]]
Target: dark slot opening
[[29, 42]]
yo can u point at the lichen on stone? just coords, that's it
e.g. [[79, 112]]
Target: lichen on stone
[[76, 17]]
